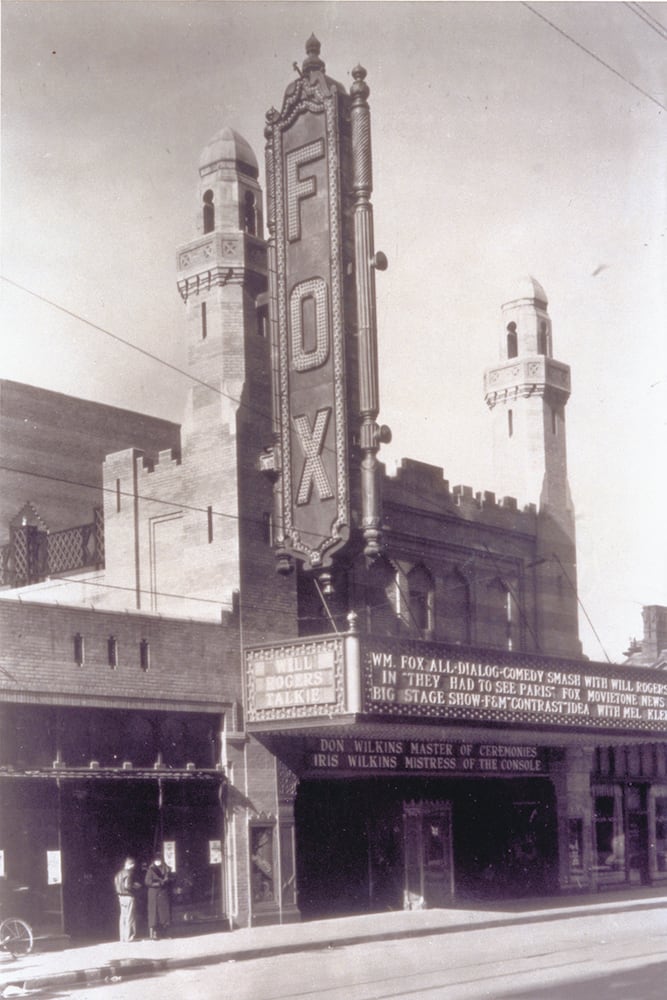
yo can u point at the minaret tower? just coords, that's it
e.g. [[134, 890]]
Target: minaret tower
[[222, 271], [222, 279], [527, 392]]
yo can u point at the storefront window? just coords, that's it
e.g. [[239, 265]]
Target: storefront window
[[661, 833], [609, 838]]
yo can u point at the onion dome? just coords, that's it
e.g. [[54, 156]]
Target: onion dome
[[228, 148]]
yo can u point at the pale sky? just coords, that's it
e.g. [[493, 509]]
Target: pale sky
[[501, 147]]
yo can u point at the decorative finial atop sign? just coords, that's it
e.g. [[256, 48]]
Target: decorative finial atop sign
[[312, 62], [360, 88]]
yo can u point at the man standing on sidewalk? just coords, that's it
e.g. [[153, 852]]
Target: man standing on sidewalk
[[126, 890]]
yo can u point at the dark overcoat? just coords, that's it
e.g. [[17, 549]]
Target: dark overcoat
[[159, 907]]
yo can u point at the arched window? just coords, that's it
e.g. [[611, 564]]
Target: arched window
[[498, 619], [542, 338], [381, 598], [208, 212], [512, 341], [250, 214], [140, 740], [456, 608], [420, 598], [511, 620]]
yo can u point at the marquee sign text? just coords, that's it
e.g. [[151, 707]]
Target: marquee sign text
[[296, 681], [422, 681], [423, 757]]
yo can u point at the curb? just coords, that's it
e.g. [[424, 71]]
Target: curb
[[130, 968], [113, 971]]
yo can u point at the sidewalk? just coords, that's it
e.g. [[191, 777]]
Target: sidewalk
[[111, 961]]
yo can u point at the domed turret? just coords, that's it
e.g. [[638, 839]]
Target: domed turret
[[230, 149], [229, 192], [526, 324]]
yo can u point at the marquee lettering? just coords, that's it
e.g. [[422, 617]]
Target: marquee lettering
[[299, 187], [312, 443]]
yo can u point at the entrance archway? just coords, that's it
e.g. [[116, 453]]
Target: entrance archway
[[352, 842]]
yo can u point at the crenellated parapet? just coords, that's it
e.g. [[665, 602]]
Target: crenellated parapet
[[166, 461], [423, 488]]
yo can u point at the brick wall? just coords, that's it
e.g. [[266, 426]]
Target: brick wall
[[59, 437], [190, 663]]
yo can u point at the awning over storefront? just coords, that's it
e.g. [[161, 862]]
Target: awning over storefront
[[92, 773]]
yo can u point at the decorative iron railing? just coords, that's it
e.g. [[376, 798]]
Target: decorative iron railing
[[33, 555]]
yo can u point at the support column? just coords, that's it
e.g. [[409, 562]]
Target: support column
[[572, 780], [287, 788]]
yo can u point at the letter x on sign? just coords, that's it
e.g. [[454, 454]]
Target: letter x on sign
[[312, 443]]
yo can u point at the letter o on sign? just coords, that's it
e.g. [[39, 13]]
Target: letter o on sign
[[316, 289]]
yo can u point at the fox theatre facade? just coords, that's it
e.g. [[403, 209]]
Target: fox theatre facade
[[403, 771]]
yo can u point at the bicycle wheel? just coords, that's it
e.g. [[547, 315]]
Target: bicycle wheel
[[16, 936]]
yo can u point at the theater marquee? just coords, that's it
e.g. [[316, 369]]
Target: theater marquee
[[421, 680], [360, 677]]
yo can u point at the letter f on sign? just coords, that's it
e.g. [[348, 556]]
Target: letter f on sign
[[312, 442], [298, 187]]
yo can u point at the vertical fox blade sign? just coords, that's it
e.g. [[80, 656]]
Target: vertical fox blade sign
[[314, 309]]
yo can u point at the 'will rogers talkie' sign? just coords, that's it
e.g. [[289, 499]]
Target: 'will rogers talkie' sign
[[327, 676]]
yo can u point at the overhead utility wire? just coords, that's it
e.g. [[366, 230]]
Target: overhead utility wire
[[147, 354], [434, 509], [57, 581], [580, 603], [193, 378], [406, 489], [249, 520], [522, 613], [134, 347], [138, 496], [648, 19], [428, 506], [588, 52], [237, 517], [125, 493]]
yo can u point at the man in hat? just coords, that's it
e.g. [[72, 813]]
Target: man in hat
[[126, 890]]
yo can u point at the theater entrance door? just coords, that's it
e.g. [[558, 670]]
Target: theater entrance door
[[427, 840]]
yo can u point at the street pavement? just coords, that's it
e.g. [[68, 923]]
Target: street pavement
[[110, 962]]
